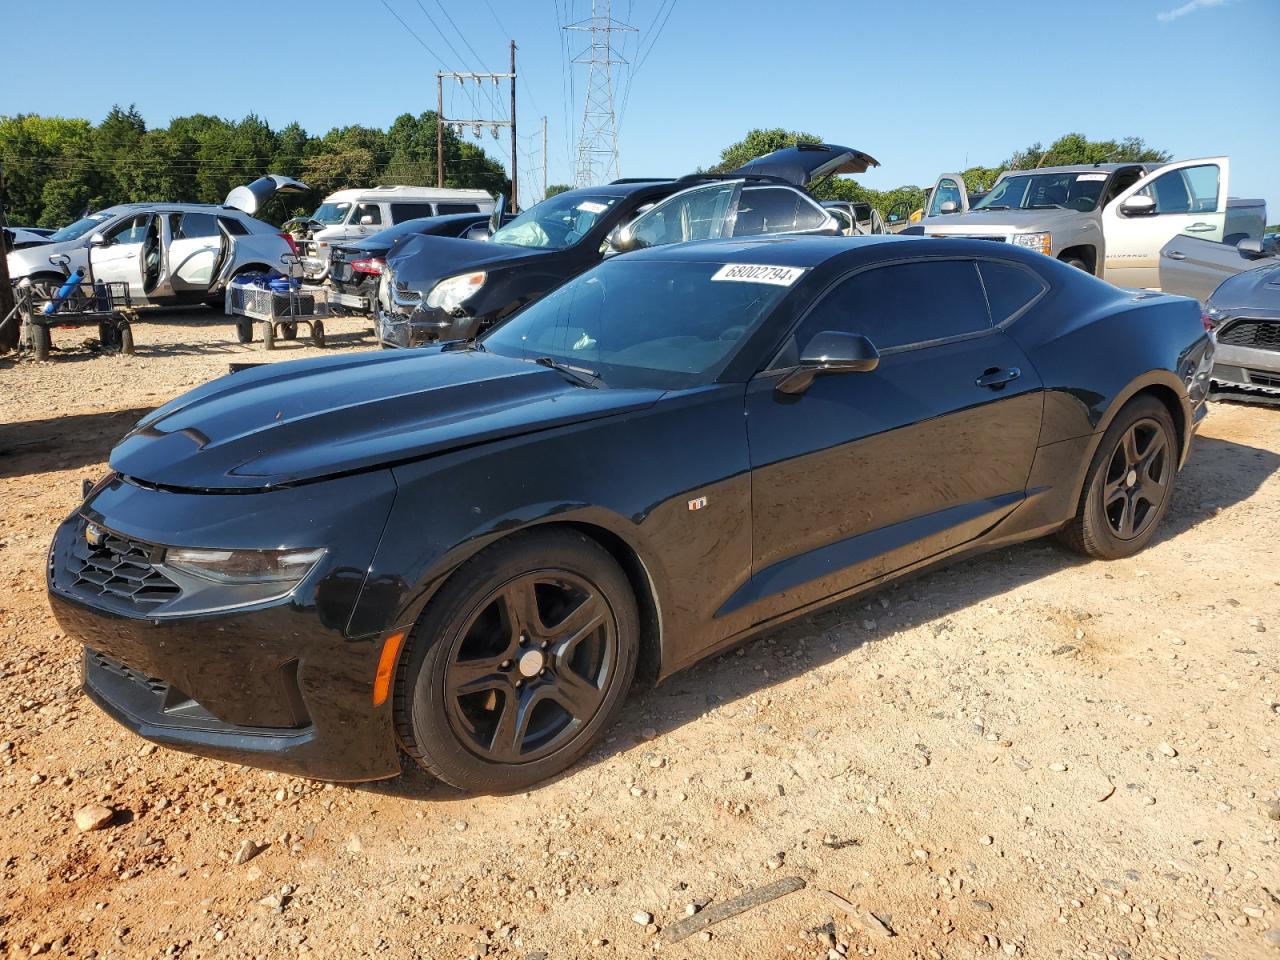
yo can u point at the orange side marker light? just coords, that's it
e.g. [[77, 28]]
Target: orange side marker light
[[386, 668]]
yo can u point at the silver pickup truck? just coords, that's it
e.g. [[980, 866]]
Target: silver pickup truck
[[1110, 219]]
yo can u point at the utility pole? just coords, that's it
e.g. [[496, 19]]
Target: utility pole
[[476, 122], [8, 324], [439, 129], [598, 140], [514, 179]]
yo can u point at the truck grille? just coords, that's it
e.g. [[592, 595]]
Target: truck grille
[[1260, 334], [122, 569]]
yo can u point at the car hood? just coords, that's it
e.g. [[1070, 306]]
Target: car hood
[[288, 423], [1258, 288], [1001, 221], [421, 262]]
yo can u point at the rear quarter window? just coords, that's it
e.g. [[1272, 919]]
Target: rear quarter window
[[234, 226], [1010, 288], [444, 208]]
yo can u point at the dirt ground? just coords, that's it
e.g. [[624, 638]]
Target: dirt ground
[[1023, 755]]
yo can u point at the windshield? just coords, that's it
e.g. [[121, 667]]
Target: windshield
[[646, 323], [331, 213], [1078, 190], [74, 231], [556, 223]]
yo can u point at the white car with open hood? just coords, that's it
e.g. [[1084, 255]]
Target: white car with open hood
[[168, 253]]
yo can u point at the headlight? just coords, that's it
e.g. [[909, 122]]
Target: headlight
[[1040, 242], [243, 566], [448, 295]]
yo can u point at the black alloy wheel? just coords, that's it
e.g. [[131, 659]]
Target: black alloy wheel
[[518, 663], [530, 669], [1129, 483], [1136, 478]]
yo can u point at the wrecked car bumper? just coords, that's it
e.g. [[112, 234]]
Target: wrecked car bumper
[[422, 326]]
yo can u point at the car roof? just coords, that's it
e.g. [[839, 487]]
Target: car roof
[[622, 188], [1081, 168], [215, 208], [812, 251]]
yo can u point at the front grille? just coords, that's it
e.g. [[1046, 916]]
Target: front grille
[[123, 569], [1260, 334], [985, 236], [1261, 379]]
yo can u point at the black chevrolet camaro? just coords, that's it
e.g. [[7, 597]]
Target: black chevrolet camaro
[[469, 551]]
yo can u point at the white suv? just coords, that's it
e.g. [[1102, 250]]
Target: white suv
[[168, 253]]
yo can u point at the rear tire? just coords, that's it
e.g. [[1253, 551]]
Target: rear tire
[[244, 331], [488, 696], [289, 331], [1129, 484], [268, 335], [317, 333]]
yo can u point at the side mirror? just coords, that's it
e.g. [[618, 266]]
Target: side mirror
[[949, 206], [622, 240], [1251, 249], [830, 352], [366, 220], [96, 240], [479, 232], [1138, 206]]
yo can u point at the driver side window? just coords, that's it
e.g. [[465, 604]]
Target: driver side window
[[948, 191], [903, 305], [697, 214]]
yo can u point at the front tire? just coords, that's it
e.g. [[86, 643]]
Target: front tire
[[1129, 484], [519, 663]]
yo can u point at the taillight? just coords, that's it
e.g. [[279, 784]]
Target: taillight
[[288, 238], [373, 265], [1209, 322]]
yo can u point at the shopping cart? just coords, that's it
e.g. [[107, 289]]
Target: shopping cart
[[279, 305]]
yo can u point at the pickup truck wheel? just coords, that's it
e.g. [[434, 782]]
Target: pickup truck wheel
[[1077, 263]]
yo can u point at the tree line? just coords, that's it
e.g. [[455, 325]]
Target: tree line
[[56, 168]]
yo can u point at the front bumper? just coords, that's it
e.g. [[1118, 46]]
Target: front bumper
[[279, 685], [424, 325], [1248, 368]]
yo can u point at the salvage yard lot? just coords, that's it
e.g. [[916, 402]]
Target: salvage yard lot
[[1023, 754]]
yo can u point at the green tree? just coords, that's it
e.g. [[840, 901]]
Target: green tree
[[555, 188], [756, 144]]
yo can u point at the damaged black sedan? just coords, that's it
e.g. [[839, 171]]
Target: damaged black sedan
[[470, 551]]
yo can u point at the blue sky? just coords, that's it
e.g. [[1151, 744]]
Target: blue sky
[[920, 85]]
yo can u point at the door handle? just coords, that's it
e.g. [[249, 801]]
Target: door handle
[[1175, 255], [1200, 228], [994, 378]]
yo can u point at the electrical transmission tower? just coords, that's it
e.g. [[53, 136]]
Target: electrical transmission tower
[[598, 139]]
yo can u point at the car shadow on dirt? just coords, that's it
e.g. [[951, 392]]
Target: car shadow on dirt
[[63, 443], [1219, 474]]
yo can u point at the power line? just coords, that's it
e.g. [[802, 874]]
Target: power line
[[475, 106]]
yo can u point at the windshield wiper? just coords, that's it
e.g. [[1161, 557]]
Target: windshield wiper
[[579, 375], [994, 206], [1046, 206]]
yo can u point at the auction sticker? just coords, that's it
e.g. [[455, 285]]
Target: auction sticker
[[1091, 176], [759, 273]]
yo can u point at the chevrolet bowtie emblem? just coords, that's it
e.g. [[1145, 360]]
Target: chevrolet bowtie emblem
[[94, 535]]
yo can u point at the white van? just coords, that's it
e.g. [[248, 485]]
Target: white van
[[354, 214]]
